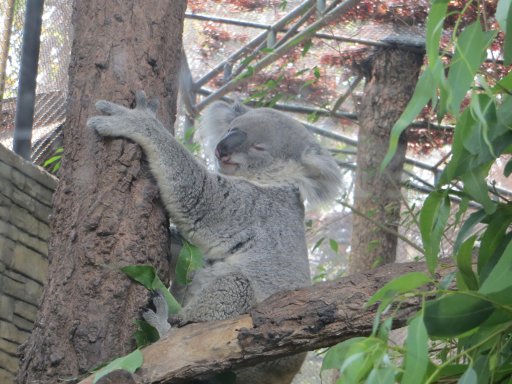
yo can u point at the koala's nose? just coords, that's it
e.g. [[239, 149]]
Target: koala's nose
[[221, 154], [229, 143]]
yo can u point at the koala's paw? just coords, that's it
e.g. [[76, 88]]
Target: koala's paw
[[158, 317], [120, 121]]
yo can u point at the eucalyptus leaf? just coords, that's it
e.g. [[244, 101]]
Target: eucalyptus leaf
[[493, 237], [467, 227], [143, 274], [499, 278], [434, 23], [469, 377], [469, 54], [130, 362], [361, 358], [503, 85], [382, 375], [402, 284], [464, 259], [147, 276], [433, 218], [475, 185], [145, 334], [454, 314], [190, 259], [423, 93], [416, 352], [504, 13], [337, 354]]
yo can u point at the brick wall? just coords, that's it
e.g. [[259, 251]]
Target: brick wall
[[25, 205]]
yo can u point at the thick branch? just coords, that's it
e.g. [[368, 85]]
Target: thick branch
[[289, 322]]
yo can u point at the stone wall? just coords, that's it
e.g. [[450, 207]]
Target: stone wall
[[25, 205]]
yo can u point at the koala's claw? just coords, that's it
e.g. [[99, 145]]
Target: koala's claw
[[142, 103], [158, 317], [110, 108], [100, 124]]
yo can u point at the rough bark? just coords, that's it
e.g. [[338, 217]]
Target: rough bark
[[391, 76], [107, 209], [286, 323]]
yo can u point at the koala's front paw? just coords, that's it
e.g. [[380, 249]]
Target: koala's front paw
[[158, 317], [120, 121]]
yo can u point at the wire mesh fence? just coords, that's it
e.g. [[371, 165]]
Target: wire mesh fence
[[52, 78]]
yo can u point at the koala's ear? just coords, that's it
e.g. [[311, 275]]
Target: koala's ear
[[215, 121], [321, 181]]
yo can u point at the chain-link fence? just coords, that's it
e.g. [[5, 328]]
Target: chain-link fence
[[52, 76]]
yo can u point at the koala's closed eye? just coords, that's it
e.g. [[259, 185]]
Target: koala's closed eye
[[259, 147]]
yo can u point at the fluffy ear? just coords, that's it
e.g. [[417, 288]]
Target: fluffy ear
[[321, 181], [215, 122]]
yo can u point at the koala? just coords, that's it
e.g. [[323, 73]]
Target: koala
[[247, 218]]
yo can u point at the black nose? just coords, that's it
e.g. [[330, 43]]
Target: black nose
[[230, 142]]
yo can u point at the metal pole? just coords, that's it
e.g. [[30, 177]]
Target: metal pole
[[27, 81]]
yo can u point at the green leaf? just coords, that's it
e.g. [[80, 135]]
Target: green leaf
[[499, 278], [435, 22], [316, 72], [130, 362], [460, 159], [337, 354], [402, 284], [147, 276], [493, 237], [145, 334], [190, 259], [470, 51], [334, 245], [504, 18], [503, 85], [475, 185], [382, 375], [448, 371], [433, 218], [360, 359], [416, 352], [52, 160], [483, 110], [245, 74], [424, 91], [454, 314], [317, 244], [469, 377], [465, 230], [464, 259], [307, 45], [143, 274]]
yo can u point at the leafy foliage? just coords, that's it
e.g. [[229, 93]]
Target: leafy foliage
[[468, 316], [190, 259], [55, 161], [146, 275], [130, 362]]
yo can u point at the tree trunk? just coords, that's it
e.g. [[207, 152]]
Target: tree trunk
[[107, 210], [390, 80]]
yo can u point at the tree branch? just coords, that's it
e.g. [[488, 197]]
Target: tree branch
[[286, 323]]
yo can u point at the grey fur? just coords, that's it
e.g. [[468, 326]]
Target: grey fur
[[249, 222]]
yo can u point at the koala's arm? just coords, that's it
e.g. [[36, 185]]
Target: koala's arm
[[184, 183]]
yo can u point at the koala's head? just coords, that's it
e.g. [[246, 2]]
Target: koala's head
[[268, 146]]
